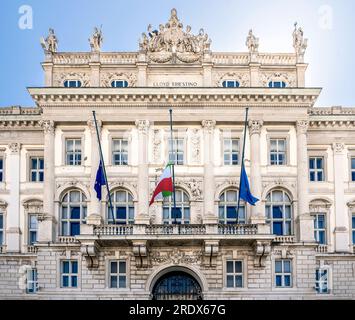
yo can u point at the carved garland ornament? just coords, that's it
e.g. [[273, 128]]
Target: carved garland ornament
[[266, 77], [107, 78], [176, 257], [60, 78], [47, 126], [196, 145], [242, 78], [255, 126]]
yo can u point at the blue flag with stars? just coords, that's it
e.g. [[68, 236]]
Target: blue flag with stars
[[245, 193], [100, 181]]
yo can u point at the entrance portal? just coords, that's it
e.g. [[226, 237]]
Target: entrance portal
[[177, 285]]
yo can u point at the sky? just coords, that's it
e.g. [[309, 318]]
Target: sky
[[327, 24]]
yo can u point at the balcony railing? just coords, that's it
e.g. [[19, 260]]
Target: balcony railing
[[175, 229], [2, 249], [285, 239], [67, 240], [32, 249], [322, 248]]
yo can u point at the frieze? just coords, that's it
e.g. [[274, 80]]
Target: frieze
[[176, 257], [108, 77], [60, 78]]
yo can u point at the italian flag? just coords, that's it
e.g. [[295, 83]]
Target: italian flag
[[165, 184]]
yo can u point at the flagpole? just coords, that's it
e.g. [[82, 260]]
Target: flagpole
[[104, 169], [242, 162], [173, 165]]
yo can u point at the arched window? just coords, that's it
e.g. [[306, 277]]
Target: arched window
[[227, 208], [72, 83], [277, 84], [279, 213], [119, 84], [123, 207], [182, 213], [230, 84], [73, 212]]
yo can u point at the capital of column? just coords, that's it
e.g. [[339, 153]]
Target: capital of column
[[302, 126], [47, 126], [208, 125], [338, 147], [255, 126], [92, 127], [143, 126], [15, 147]]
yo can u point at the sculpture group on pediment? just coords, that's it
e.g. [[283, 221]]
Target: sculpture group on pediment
[[171, 40]]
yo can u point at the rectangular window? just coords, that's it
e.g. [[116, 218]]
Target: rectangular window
[[283, 273], [118, 274], [1, 169], [32, 229], [320, 228], [69, 274], [322, 281], [119, 152], [31, 281], [231, 152], [353, 169], [353, 228], [234, 273], [1, 229], [73, 152], [277, 152], [176, 151], [37, 169], [316, 169]]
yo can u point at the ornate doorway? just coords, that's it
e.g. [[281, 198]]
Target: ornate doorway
[[177, 285]]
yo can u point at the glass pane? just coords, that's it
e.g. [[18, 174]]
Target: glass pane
[[74, 228], [65, 281], [231, 212], [113, 282], [353, 163], [277, 212], [41, 163], [311, 163], [221, 213], [312, 176], [74, 281], [113, 267], [278, 228], [122, 281], [232, 196], [1, 221], [165, 213], [122, 267], [230, 267], [230, 281], [278, 281], [176, 213], [321, 239], [121, 196], [287, 281], [268, 212], [33, 237], [75, 212], [319, 163], [34, 163], [288, 212], [287, 266], [74, 196], [282, 145], [178, 196], [33, 222], [288, 228], [273, 145], [277, 196], [239, 281], [321, 221], [65, 231], [187, 214], [278, 266], [124, 145], [234, 159], [121, 213], [319, 176], [227, 145], [238, 266], [33, 176], [70, 145], [41, 176], [65, 267], [131, 213], [74, 267]]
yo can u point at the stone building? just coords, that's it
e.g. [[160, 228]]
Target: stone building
[[58, 241]]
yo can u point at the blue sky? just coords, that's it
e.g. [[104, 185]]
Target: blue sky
[[327, 24]]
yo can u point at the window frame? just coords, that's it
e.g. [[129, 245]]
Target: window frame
[[81, 151], [283, 84], [124, 82], [33, 281], [278, 152], [118, 274], [353, 227], [225, 83], [283, 274], [115, 204], [316, 170], [177, 151], [352, 170], [284, 221], [225, 206], [230, 153], [182, 205], [30, 230], [234, 274], [317, 230], [121, 139], [327, 281], [3, 229], [78, 83], [83, 204], [36, 170], [2, 170], [70, 274]]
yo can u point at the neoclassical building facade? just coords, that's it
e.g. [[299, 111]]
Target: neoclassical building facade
[[58, 241]]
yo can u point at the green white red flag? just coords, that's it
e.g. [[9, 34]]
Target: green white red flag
[[165, 185]]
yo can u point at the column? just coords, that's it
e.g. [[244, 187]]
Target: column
[[48, 72], [257, 211], [47, 223], [341, 231], [210, 214], [254, 74], [13, 231], [143, 172], [306, 228], [301, 70], [94, 216], [207, 74]]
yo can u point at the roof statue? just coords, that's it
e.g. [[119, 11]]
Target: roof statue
[[50, 44], [96, 40], [171, 41], [299, 43], [252, 42]]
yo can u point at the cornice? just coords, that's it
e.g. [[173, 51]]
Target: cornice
[[257, 97]]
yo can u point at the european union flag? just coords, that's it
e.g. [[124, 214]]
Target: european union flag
[[100, 181], [245, 193]]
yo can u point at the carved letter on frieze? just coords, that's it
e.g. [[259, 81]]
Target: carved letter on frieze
[[302, 126], [255, 126], [47, 126]]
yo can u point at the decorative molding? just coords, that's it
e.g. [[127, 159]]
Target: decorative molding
[[319, 205], [195, 145], [255, 126], [142, 126], [192, 185], [242, 77], [14, 147], [288, 78], [157, 142], [59, 78], [92, 127], [33, 206], [302, 126], [338, 147], [208, 125], [108, 77], [176, 257], [47, 126]]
